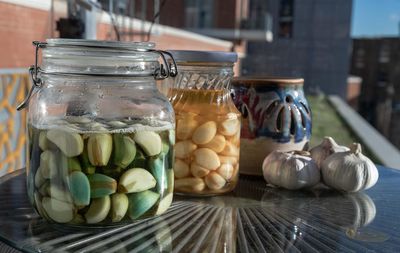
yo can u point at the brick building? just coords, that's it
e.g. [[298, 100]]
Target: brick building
[[23, 21]]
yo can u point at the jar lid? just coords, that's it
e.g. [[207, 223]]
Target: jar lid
[[267, 80], [203, 56], [101, 44], [96, 57]]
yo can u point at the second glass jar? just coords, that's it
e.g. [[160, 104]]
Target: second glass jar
[[207, 123]]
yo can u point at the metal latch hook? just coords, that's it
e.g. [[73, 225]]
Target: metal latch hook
[[33, 71]]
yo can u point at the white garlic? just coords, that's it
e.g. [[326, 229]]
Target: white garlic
[[349, 171], [327, 147], [291, 170]]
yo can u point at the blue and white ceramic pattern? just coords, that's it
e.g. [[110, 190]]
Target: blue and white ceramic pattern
[[276, 116]]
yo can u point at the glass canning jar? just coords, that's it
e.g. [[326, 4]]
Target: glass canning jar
[[207, 123], [101, 135]]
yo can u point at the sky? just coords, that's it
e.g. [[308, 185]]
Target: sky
[[375, 17]]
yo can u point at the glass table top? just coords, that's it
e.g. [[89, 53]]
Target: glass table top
[[254, 218]]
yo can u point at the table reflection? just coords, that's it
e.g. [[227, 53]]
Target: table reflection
[[254, 218]]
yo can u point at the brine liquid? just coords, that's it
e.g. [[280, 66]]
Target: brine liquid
[[67, 155], [207, 141]]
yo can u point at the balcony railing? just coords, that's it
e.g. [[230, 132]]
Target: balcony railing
[[14, 84]]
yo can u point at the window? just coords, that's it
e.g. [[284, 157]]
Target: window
[[285, 19], [384, 53], [359, 58], [199, 13]]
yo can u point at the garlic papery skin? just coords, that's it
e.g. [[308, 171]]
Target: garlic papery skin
[[349, 171], [291, 170], [327, 147]]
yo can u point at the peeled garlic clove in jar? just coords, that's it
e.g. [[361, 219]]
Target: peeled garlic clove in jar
[[184, 149], [205, 133], [141, 202], [190, 184], [185, 128], [124, 150], [217, 143], [206, 158], [101, 185], [230, 126], [291, 170], [48, 164], [98, 210], [119, 206], [230, 150], [164, 204], [99, 147], [136, 180], [58, 211], [79, 188], [215, 181], [226, 171], [71, 144], [349, 171], [181, 169], [327, 147], [198, 171], [149, 141]]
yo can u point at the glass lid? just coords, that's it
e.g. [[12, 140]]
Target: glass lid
[[96, 57], [102, 44]]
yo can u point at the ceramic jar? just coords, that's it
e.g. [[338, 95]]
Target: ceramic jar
[[276, 116]]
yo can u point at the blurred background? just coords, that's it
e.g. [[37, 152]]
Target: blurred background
[[347, 51]]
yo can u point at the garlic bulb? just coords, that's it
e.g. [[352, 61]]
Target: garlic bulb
[[349, 171], [327, 147], [291, 170]]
